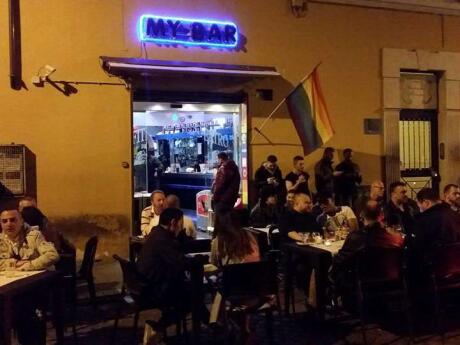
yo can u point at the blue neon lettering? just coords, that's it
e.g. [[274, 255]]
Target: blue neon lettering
[[173, 26], [170, 30], [155, 28], [230, 33], [198, 32], [214, 34]]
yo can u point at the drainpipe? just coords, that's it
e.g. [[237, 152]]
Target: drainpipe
[[15, 45]]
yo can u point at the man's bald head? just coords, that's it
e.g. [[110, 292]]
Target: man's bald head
[[172, 201], [302, 203], [377, 190]]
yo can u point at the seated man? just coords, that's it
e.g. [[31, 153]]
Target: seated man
[[266, 210], [376, 194], [452, 196], [399, 212], [436, 224], [334, 217], [22, 248], [162, 262], [289, 201], [371, 235], [27, 201], [173, 201], [151, 214], [299, 220]]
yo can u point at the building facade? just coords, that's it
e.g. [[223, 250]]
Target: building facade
[[79, 121]]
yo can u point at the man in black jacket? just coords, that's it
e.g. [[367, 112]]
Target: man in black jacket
[[346, 184], [399, 212], [226, 186], [161, 260], [371, 235], [437, 224]]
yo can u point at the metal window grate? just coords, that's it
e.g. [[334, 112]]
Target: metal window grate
[[415, 150], [12, 168]]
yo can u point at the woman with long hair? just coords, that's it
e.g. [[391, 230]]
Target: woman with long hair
[[233, 244]]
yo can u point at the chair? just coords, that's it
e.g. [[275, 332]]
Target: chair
[[85, 273], [247, 287], [445, 276], [137, 293], [196, 246], [275, 238], [262, 241], [380, 273]]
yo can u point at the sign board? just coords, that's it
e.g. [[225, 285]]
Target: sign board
[[186, 31]]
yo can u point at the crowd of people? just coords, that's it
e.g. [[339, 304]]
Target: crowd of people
[[364, 219]]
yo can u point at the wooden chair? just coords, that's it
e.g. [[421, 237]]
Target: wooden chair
[[380, 273]]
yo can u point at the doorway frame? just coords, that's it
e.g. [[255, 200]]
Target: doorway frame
[[170, 96], [447, 65]]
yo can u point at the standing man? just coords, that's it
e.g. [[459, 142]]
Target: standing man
[[324, 173], [151, 214], [452, 197], [346, 184], [226, 186], [269, 175], [297, 179]]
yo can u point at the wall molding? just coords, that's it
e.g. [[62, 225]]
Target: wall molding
[[423, 6]]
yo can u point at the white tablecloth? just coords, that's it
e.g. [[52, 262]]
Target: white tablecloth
[[7, 277], [333, 248]]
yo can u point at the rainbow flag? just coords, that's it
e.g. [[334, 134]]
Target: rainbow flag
[[308, 110]]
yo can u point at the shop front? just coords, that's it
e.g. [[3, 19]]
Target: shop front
[[183, 115]]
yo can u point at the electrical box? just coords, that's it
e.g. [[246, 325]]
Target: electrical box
[[18, 171]]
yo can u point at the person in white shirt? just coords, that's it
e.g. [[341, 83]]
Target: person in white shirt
[[151, 214], [173, 201], [334, 217]]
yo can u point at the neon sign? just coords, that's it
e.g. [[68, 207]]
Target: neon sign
[[195, 32]]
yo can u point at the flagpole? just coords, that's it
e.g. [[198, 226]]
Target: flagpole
[[259, 129]]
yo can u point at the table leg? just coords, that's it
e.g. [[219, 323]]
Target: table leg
[[197, 275], [6, 306], [58, 315]]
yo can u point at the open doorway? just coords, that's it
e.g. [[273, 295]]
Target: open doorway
[[175, 147]]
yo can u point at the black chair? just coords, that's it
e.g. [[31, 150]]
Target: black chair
[[275, 238], [85, 273], [262, 241], [67, 267], [445, 276], [249, 288], [196, 246], [380, 273], [137, 293]]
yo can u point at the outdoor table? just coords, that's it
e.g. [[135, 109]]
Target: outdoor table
[[319, 258], [14, 284], [198, 245]]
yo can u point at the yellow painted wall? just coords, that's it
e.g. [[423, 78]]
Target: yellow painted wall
[[81, 140]]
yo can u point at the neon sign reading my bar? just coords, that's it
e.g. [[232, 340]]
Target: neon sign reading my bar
[[197, 32]]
